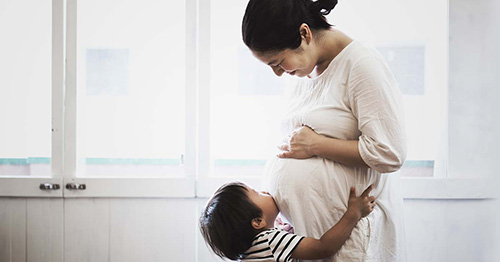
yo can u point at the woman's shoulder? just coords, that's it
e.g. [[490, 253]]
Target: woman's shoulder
[[356, 53], [359, 51]]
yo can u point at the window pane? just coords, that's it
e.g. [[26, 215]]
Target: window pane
[[416, 50], [247, 99], [131, 70], [25, 87]]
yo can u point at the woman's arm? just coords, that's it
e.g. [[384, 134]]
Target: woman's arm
[[305, 143], [376, 102]]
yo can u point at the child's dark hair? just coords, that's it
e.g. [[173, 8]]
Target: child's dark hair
[[273, 25], [226, 222]]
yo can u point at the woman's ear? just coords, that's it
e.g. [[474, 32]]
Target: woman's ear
[[258, 223], [305, 32]]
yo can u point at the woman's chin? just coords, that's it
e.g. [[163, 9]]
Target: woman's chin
[[302, 74], [299, 74]]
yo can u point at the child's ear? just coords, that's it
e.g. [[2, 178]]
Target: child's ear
[[258, 223]]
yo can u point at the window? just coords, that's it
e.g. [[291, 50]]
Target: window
[[416, 50], [25, 86], [246, 98], [161, 98], [131, 88]]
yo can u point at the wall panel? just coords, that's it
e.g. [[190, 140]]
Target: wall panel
[[122, 230], [86, 230], [149, 230], [12, 230], [44, 230]]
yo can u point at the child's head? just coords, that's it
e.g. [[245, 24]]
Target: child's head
[[233, 216]]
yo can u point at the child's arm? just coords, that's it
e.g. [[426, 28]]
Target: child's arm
[[333, 239]]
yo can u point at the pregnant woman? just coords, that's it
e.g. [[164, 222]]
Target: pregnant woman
[[344, 126]]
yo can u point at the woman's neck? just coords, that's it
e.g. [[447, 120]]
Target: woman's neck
[[330, 44]]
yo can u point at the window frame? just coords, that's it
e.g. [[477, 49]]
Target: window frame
[[197, 183], [440, 186], [64, 151], [136, 186]]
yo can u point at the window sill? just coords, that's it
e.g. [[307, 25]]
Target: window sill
[[411, 188], [26, 186], [100, 187], [447, 188], [188, 187]]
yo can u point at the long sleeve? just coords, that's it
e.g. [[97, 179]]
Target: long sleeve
[[376, 102]]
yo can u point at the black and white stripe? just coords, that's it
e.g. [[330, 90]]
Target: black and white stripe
[[272, 245]]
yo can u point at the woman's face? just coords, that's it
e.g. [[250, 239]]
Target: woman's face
[[299, 62]]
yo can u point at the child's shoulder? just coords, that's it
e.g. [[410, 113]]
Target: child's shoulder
[[272, 244], [265, 234], [260, 248]]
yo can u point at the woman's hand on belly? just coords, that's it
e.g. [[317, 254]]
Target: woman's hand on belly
[[299, 144], [305, 143]]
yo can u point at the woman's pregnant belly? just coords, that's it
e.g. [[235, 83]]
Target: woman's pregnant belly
[[312, 194]]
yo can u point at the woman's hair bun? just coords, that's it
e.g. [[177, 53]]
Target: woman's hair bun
[[271, 25], [324, 7]]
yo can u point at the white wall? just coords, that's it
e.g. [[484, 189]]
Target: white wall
[[31, 229], [93, 230], [474, 91], [150, 230]]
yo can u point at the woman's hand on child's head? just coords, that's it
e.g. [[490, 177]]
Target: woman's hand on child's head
[[362, 205]]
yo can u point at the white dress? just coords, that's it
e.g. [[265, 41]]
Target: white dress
[[356, 97]]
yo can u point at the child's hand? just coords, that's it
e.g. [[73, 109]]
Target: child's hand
[[362, 205]]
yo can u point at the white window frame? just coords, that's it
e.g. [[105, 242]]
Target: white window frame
[[64, 151], [29, 186], [127, 187], [197, 182], [441, 186]]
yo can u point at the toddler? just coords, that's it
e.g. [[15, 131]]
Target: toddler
[[238, 223]]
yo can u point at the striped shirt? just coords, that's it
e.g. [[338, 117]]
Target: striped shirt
[[272, 245]]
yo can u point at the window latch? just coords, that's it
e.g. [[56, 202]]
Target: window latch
[[49, 186], [75, 186]]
